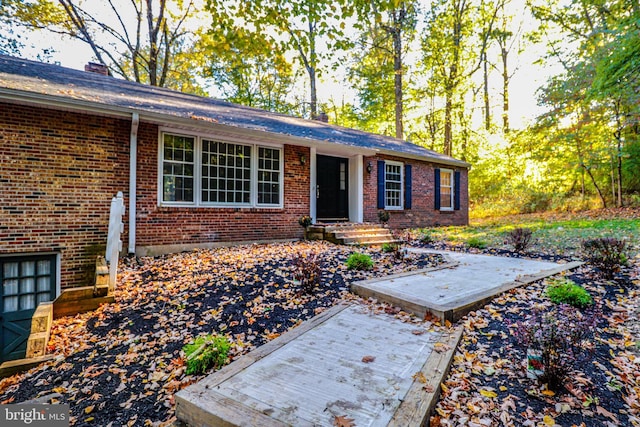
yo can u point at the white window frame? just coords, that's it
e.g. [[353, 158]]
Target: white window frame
[[401, 190], [197, 178], [450, 173]]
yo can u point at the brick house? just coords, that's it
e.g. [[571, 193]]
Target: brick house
[[203, 172]]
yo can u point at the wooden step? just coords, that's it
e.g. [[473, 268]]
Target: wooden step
[[358, 234]]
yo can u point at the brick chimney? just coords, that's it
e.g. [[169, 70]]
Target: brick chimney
[[94, 67], [323, 117]]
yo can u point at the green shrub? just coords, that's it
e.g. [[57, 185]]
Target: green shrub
[[426, 237], [565, 291], [520, 238], [358, 261], [205, 352], [476, 242], [389, 247], [607, 254], [383, 216]]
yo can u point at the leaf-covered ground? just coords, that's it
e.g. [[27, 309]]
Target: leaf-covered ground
[[488, 386], [122, 364]]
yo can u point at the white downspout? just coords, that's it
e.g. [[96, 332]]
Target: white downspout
[[133, 161]]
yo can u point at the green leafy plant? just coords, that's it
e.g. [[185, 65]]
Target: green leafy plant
[[607, 254], [426, 237], [383, 216], [306, 271], [520, 238], [565, 291], [205, 352], [305, 221], [389, 247], [359, 261], [476, 242]]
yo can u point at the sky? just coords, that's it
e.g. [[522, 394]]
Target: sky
[[528, 77]]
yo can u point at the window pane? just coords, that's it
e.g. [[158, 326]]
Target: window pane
[[43, 283], [233, 165], [27, 302], [393, 185], [268, 176], [446, 189], [177, 167], [10, 287], [10, 304], [10, 270], [27, 285]]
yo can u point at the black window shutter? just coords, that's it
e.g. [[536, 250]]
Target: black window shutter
[[436, 189], [456, 190], [407, 186], [381, 184]]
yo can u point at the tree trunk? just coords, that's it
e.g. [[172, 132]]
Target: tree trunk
[[487, 111], [448, 138], [397, 67], [505, 91], [595, 184]]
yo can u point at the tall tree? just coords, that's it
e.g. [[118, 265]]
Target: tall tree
[[387, 29], [249, 71], [310, 28], [139, 40], [450, 56]]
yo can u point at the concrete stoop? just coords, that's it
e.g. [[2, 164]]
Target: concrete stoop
[[351, 234]]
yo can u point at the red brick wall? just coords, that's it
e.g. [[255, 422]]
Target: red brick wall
[[58, 173], [422, 212], [196, 225]]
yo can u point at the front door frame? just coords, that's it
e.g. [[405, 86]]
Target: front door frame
[[355, 170]]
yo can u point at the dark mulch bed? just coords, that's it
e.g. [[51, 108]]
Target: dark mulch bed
[[488, 384], [122, 364]]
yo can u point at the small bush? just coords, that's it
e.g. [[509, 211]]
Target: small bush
[[476, 242], [383, 216], [306, 271], [389, 247], [205, 352], [520, 238], [564, 336], [565, 291], [426, 237], [359, 261], [305, 221], [607, 254]]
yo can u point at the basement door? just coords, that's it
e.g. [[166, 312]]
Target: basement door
[[332, 191], [26, 282]]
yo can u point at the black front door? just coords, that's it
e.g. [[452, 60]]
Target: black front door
[[332, 192], [25, 282]]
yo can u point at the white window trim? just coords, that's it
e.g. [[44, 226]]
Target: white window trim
[[450, 172], [394, 208], [197, 178]]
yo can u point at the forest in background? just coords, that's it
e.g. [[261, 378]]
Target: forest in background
[[439, 73]]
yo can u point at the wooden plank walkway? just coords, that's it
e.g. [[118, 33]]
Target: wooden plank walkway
[[321, 370]]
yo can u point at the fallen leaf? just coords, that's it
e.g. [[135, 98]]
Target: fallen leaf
[[419, 376], [343, 421], [549, 421], [601, 411], [368, 359], [488, 393], [548, 393], [89, 409]]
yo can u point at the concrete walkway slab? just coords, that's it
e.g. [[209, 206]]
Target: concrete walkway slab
[[348, 362], [465, 283]]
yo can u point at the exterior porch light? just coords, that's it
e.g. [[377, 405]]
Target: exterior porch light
[[369, 167], [303, 159]]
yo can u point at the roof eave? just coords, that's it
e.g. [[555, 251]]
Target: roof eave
[[426, 158], [161, 119]]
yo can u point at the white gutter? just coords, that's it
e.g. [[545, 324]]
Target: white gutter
[[133, 161]]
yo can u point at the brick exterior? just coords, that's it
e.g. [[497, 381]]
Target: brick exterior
[[61, 169], [58, 173], [422, 212], [195, 225]]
